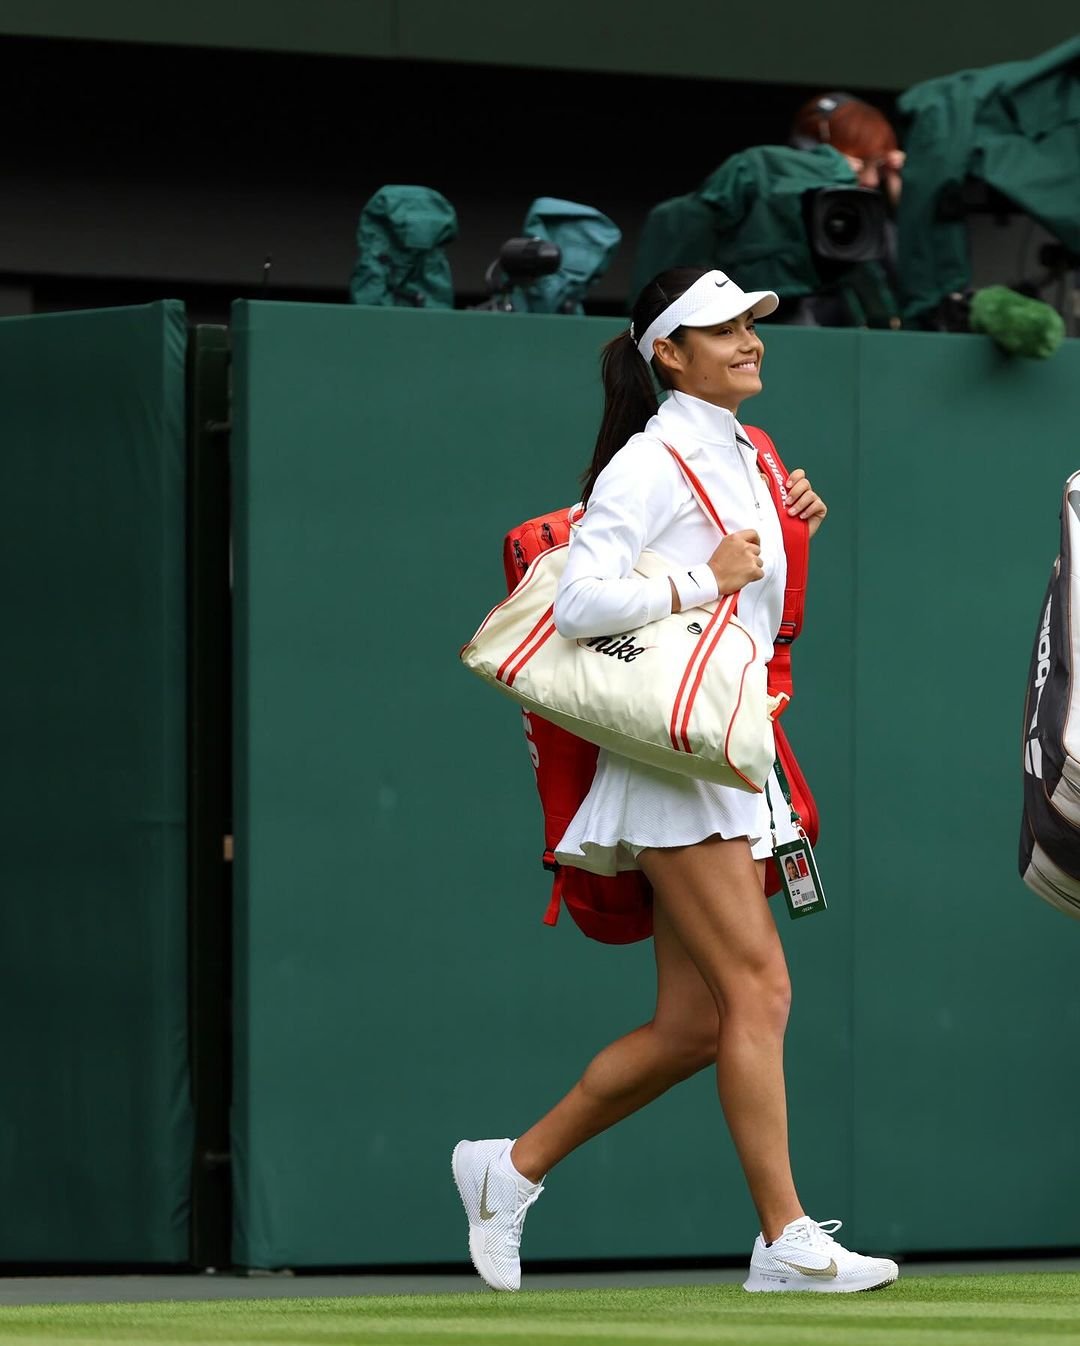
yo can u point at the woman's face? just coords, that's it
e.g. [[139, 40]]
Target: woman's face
[[719, 364]]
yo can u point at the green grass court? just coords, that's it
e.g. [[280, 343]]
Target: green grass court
[[1025, 1309]]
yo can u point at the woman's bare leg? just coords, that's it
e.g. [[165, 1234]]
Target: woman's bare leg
[[712, 895], [680, 1040]]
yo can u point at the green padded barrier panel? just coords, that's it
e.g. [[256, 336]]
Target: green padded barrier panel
[[95, 1146], [967, 1022], [395, 988], [808, 407]]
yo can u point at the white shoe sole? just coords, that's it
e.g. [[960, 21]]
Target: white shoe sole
[[758, 1284], [477, 1254]]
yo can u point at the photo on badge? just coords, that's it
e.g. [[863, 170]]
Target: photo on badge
[[802, 892], [799, 878]]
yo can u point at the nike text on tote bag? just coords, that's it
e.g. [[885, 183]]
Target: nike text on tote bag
[[686, 693]]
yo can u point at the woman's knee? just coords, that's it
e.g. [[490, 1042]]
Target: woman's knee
[[689, 1044], [761, 992]]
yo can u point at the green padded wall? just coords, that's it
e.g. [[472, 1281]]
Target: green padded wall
[[965, 985], [965, 1022], [95, 1147], [395, 988]]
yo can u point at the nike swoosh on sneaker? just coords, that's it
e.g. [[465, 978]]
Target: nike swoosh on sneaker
[[720, 283], [827, 1273], [486, 1214]]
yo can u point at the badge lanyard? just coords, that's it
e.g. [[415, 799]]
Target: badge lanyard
[[795, 859]]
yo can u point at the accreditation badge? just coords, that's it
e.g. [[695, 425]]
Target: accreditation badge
[[803, 892]]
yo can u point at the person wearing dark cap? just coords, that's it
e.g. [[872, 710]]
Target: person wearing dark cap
[[723, 991], [865, 137], [861, 133]]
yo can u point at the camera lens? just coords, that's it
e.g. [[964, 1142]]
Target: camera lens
[[524, 258], [842, 226], [845, 224]]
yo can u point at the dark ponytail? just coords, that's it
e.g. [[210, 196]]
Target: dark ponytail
[[629, 391]]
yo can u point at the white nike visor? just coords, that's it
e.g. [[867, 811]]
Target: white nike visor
[[713, 299]]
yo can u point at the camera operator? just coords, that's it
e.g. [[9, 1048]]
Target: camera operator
[[862, 134], [866, 139]]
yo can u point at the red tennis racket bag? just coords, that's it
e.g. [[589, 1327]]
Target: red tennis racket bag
[[618, 909]]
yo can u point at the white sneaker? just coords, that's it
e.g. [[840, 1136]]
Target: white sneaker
[[495, 1202], [807, 1257]]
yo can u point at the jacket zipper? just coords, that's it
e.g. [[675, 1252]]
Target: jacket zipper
[[746, 471]]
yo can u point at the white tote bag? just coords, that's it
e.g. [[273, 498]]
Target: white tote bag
[[686, 693]]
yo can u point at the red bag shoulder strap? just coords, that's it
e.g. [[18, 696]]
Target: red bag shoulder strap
[[796, 535]]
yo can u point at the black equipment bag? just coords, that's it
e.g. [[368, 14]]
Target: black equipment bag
[[1050, 828]]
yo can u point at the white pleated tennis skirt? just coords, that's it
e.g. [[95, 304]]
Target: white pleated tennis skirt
[[631, 806]]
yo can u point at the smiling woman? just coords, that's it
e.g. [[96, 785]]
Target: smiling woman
[[722, 992], [719, 364]]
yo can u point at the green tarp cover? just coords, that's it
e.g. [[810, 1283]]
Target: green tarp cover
[[400, 258], [746, 218], [96, 1138], [1015, 127], [587, 240]]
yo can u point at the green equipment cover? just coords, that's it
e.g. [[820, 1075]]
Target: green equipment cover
[[746, 218], [1015, 127], [587, 240], [400, 259]]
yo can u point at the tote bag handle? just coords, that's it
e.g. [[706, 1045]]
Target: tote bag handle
[[698, 491]]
